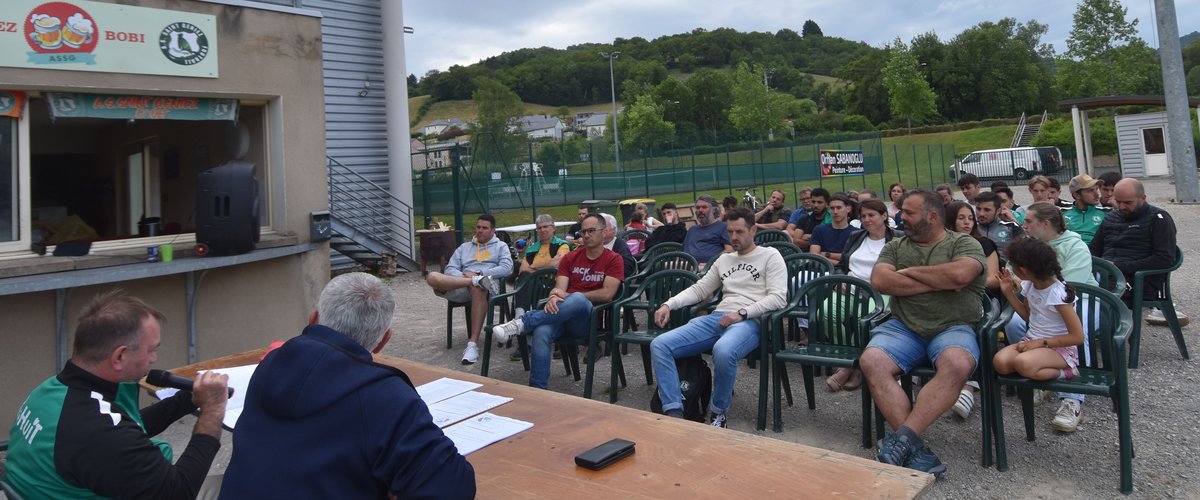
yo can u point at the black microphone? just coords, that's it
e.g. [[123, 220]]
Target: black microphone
[[163, 378]]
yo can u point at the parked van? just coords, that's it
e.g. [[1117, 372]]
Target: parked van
[[1014, 163]]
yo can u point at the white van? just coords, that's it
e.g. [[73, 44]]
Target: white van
[[1015, 163]]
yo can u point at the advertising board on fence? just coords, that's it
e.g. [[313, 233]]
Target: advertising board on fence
[[840, 162]]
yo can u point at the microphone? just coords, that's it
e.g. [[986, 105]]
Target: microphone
[[163, 378]]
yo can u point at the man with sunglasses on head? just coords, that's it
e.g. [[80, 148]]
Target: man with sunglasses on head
[[473, 274]]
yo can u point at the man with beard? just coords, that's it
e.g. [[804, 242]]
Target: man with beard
[[1137, 236], [1086, 214], [936, 278], [803, 229], [775, 215], [709, 237], [992, 227], [753, 282]]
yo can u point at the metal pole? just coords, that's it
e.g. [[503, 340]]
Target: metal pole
[[613, 88], [457, 188], [1179, 122], [533, 187], [592, 161]]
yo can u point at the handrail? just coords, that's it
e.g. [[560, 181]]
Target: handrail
[[369, 208], [1020, 130]]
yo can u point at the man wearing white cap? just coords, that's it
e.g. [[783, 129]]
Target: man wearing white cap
[[1085, 215]]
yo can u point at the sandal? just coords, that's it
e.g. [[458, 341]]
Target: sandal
[[854, 382], [834, 383]]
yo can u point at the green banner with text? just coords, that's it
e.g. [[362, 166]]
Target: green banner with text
[[93, 36], [140, 107]]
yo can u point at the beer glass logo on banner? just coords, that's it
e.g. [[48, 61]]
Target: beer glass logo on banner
[[59, 32], [183, 43]]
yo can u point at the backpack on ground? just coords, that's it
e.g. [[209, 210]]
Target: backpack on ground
[[695, 384]]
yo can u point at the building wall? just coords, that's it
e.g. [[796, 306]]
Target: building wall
[[267, 56], [1129, 140]]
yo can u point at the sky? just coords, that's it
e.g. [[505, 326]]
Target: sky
[[449, 33]]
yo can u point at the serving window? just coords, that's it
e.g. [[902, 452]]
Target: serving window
[[116, 182]]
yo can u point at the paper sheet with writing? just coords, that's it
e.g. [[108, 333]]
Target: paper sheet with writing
[[444, 388], [239, 380], [463, 406], [482, 430]]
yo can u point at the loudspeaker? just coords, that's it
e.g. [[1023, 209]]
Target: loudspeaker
[[227, 208]]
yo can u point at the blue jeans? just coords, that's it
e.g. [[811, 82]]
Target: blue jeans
[[729, 345], [1015, 330], [572, 320]]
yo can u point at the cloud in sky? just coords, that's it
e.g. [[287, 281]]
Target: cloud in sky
[[467, 32]]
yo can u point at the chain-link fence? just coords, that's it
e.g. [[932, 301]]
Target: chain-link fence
[[453, 179]]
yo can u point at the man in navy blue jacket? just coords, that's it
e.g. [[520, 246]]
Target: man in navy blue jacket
[[322, 420]]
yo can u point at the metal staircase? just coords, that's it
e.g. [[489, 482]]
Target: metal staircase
[[370, 225], [1027, 131]]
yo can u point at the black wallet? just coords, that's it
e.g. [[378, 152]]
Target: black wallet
[[604, 455]]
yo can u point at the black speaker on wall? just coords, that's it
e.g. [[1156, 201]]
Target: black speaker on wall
[[227, 208]]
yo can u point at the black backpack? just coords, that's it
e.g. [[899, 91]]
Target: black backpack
[[695, 383]]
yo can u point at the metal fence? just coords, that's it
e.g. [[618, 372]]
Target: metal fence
[[523, 183]]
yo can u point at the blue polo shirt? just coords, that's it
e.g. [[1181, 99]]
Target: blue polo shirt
[[705, 242]]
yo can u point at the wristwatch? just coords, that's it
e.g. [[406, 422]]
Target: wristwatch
[[744, 313]]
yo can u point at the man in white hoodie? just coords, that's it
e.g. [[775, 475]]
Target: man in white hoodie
[[753, 281], [473, 273]]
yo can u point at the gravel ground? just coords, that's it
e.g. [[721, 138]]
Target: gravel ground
[[1081, 465]]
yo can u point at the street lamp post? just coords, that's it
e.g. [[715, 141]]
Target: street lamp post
[[613, 81]]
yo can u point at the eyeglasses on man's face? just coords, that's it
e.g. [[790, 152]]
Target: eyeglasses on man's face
[[589, 230]]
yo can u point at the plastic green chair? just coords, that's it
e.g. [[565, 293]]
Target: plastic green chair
[[536, 286], [854, 308], [764, 236], [785, 248], [1109, 277], [655, 289], [659, 249], [1166, 304], [1103, 373]]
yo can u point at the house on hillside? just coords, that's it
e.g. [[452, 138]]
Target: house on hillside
[[441, 125], [541, 126], [593, 125], [433, 155]]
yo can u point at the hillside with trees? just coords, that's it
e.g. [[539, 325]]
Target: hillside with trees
[[712, 87]]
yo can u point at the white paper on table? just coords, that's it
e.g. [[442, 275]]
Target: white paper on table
[[480, 431], [463, 406], [444, 388], [239, 380]]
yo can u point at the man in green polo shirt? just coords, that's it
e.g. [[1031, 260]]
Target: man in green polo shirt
[[1085, 215]]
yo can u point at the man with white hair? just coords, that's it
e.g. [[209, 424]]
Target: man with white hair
[[322, 420], [612, 243]]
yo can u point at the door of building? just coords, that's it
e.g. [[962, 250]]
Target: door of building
[[1154, 151]]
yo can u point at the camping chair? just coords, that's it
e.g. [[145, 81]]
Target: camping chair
[[1166, 304], [1103, 373], [656, 288], [841, 310]]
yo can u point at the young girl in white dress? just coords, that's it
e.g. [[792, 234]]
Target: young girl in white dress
[[1048, 350]]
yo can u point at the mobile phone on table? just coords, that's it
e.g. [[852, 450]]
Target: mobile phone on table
[[604, 455]]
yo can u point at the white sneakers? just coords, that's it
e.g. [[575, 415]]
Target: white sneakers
[[1155, 317], [484, 282], [965, 403], [1068, 416], [505, 331], [470, 354]]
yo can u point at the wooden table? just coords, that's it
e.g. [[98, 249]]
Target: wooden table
[[675, 458]]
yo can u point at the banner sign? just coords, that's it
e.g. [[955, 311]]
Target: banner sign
[[140, 107], [840, 162], [11, 103], [91, 36]]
